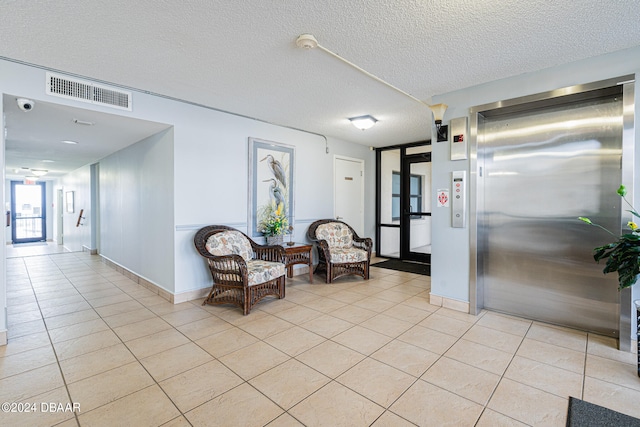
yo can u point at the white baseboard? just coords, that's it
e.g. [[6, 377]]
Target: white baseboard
[[450, 303], [3, 337]]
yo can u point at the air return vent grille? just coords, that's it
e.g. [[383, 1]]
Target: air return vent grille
[[79, 90]]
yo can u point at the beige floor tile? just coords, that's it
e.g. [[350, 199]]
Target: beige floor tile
[[377, 381], [175, 361], [347, 297], [102, 294], [389, 419], [421, 302], [113, 299], [327, 326], [257, 410], [294, 341], [548, 378], [353, 314], [77, 330], [406, 357], [181, 421], [554, 355], [445, 324], [289, 383], [266, 326], [89, 364], [25, 343], [26, 328], [324, 305], [362, 340], [285, 420], [299, 314], [183, 317], [156, 343], [196, 386], [86, 344], [609, 395], [273, 305], [480, 356], [337, 406], [226, 342], [59, 302], [620, 373], [394, 296], [462, 379], [26, 316], [120, 308], [149, 406], [491, 418], [563, 337], [203, 328], [122, 319], [505, 323], [40, 412], [26, 360], [524, 403], [301, 297], [109, 386], [428, 339], [254, 359], [24, 386], [71, 319], [387, 325], [330, 358], [499, 340], [407, 313], [374, 303], [141, 329], [437, 407], [607, 347]]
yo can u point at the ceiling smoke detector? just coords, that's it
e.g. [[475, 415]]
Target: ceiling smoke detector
[[306, 41]]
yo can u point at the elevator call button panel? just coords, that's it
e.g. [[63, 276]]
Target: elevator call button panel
[[458, 199]]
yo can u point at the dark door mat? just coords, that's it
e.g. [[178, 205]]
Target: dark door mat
[[409, 267], [583, 413]]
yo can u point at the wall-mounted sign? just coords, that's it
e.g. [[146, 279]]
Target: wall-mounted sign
[[443, 198]]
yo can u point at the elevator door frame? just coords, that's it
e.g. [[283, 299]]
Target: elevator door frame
[[476, 279]]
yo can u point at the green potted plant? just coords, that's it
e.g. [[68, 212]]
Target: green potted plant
[[622, 255]]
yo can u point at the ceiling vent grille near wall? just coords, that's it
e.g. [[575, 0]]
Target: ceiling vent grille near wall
[[80, 90]]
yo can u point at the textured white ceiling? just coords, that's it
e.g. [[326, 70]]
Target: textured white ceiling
[[240, 56]]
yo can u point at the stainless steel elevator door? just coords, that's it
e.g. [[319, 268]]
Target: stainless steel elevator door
[[542, 169]]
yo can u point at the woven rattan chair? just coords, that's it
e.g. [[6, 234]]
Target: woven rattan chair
[[243, 272], [340, 251]]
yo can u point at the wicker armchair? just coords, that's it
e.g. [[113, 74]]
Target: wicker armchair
[[243, 272], [340, 251]]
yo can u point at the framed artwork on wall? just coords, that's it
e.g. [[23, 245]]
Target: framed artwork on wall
[[271, 167]]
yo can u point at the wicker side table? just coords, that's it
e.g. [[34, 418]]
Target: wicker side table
[[299, 253]]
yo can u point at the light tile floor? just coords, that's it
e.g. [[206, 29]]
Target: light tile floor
[[353, 353]]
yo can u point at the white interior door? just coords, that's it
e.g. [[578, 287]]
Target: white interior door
[[348, 192]]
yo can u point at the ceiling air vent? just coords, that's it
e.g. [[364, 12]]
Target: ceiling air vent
[[85, 91]]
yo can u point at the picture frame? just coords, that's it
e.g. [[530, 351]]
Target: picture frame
[[271, 182], [69, 201]]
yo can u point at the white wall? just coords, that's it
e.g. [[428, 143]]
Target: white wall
[[136, 208], [450, 262]]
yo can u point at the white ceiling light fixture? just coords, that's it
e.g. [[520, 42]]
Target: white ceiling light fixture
[[308, 41], [39, 172], [68, 141], [363, 122]]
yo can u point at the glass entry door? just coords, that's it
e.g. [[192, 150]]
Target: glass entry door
[[403, 211], [415, 221], [28, 220]]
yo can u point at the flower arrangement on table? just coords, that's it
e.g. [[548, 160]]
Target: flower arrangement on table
[[275, 223], [623, 255]]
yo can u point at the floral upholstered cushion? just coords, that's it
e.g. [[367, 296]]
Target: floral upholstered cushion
[[339, 255], [263, 271], [336, 234], [229, 243]]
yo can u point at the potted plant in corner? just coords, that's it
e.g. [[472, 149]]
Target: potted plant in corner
[[622, 256]]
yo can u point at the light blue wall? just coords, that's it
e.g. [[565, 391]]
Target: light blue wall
[[450, 270]]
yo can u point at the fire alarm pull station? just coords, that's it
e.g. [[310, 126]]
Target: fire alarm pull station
[[459, 143], [458, 205]]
